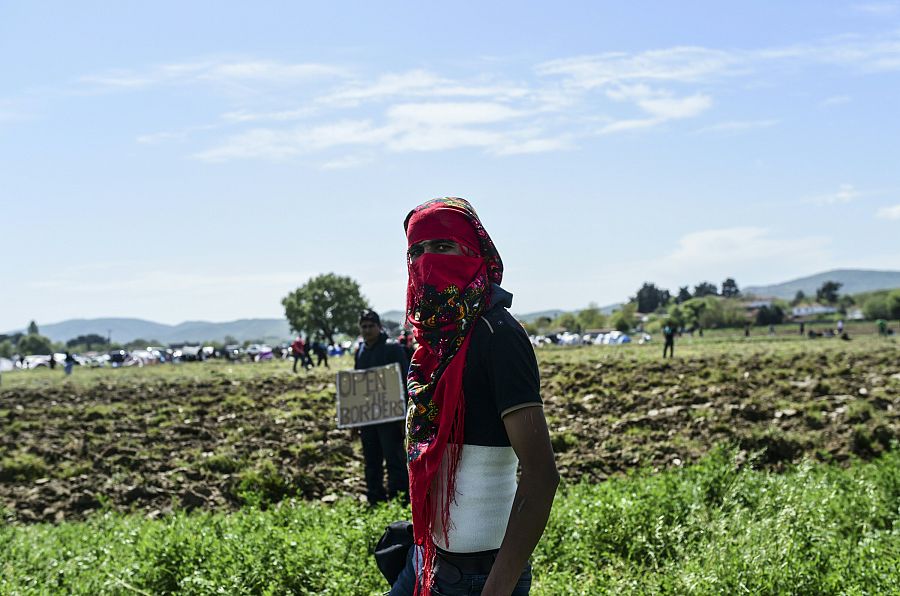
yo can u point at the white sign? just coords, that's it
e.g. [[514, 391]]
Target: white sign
[[370, 396]]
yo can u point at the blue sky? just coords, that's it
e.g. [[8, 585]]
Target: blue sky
[[198, 160]]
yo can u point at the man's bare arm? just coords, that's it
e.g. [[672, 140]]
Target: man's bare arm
[[529, 437]]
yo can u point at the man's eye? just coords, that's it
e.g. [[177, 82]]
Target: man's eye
[[445, 247], [415, 251]]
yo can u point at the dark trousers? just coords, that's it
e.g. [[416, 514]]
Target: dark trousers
[[670, 346], [382, 446], [298, 358]]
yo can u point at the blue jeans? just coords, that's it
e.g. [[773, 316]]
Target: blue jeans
[[468, 584]]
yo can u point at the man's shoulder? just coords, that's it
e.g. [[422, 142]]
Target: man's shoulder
[[499, 322]]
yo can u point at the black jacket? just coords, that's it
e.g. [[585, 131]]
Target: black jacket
[[383, 352]]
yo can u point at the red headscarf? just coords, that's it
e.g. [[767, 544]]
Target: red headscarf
[[445, 296]]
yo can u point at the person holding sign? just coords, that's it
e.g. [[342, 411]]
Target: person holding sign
[[475, 414], [382, 443]]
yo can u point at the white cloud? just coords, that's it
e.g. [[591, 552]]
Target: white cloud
[[878, 9], [424, 110], [258, 144], [678, 64], [350, 161], [9, 112], [153, 281], [739, 125], [270, 71], [835, 100], [251, 71], [162, 137], [846, 193], [674, 108], [537, 145], [421, 83], [406, 127], [240, 116], [730, 245], [691, 65], [451, 114], [892, 212], [753, 251], [660, 106]]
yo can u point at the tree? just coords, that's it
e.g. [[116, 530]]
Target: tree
[[845, 302], [704, 288], [326, 305], [6, 349], [684, 294], [33, 328], [649, 298], [542, 323], [141, 344], [798, 298], [34, 344], [569, 322], [730, 288], [828, 292], [89, 340], [893, 304], [623, 319], [773, 315], [676, 316], [883, 305], [591, 317], [712, 311]]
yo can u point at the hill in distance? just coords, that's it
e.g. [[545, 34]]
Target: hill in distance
[[854, 281], [123, 330]]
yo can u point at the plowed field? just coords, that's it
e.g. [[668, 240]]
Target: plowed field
[[214, 435]]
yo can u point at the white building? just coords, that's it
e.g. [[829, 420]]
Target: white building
[[812, 309]]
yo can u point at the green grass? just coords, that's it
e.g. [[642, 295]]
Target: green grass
[[711, 528]]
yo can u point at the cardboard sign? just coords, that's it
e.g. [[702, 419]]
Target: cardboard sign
[[370, 396]]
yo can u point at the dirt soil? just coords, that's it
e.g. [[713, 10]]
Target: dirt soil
[[154, 445]]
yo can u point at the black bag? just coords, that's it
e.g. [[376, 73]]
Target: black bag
[[392, 548]]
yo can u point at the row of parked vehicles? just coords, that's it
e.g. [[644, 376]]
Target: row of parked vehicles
[[157, 354], [152, 355]]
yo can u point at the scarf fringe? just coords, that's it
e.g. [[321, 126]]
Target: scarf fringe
[[442, 495]]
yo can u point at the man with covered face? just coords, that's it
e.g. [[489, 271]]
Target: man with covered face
[[475, 414]]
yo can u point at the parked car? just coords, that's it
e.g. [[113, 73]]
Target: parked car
[[36, 361], [233, 352], [191, 353], [145, 357], [257, 352]]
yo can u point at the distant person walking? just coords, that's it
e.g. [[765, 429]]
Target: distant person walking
[[52, 360], [669, 335], [321, 354], [840, 326], [382, 443], [802, 327], [298, 351], [70, 363]]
